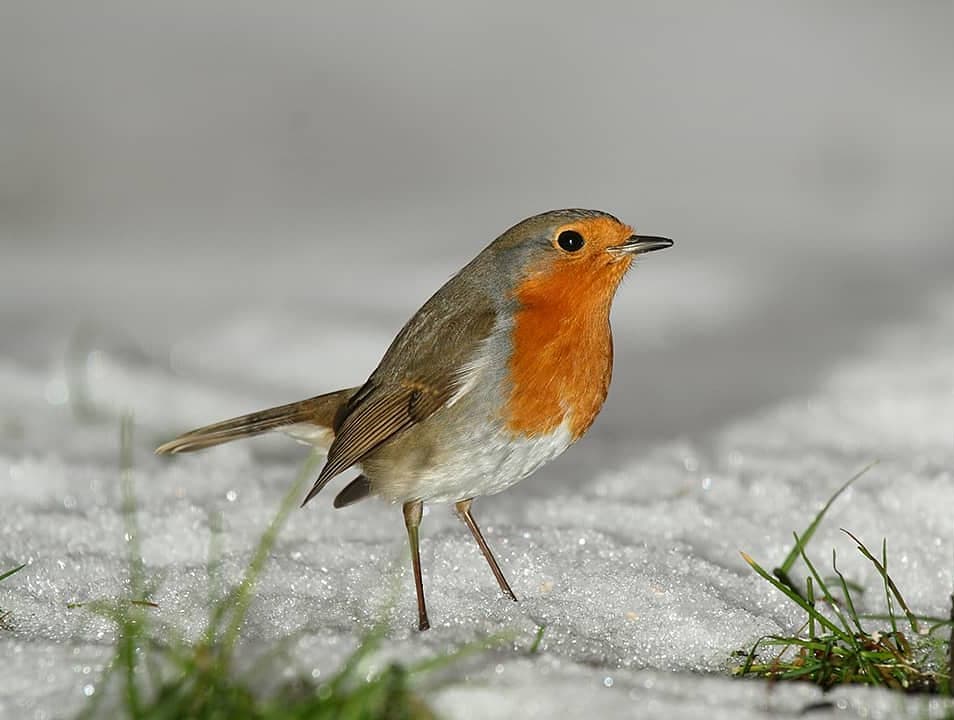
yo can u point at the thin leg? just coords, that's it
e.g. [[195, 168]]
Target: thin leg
[[412, 519], [463, 510]]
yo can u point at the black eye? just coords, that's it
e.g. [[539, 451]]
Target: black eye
[[570, 240]]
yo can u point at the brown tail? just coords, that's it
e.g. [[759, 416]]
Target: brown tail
[[318, 412]]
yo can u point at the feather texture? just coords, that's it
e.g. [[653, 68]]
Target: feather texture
[[320, 412], [400, 394]]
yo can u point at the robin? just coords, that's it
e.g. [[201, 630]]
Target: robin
[[500, 371]]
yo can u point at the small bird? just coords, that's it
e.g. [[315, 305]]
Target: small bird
[[500, 371]]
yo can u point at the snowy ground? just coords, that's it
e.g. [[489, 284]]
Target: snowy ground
[[206, 212], [628, 554]]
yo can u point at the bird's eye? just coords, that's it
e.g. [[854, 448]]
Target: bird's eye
[[570, 240]]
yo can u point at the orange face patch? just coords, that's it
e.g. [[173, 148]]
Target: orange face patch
[[599, 233], [562, 345]]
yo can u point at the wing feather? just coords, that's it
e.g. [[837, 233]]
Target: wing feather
[[408, 387], [378, 419]]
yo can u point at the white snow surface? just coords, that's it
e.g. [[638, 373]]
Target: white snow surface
[[207, 209], [631, 563]]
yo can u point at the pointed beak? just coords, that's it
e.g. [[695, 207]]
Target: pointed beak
[[639, 244]]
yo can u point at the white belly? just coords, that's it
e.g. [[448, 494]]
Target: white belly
[[485, 462]]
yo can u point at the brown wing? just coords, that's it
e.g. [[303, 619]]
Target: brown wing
[[418, 375], [381, 416]]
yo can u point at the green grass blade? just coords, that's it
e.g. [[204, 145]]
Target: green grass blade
[[8, 573], [243, 596], [537, 639], [786, 566], [847, 634], [797, 599], [936, 623], [131, 616], [213, 568], [369, 643], [810, 599], [888, 602], [746, 667], [912, 618], [855, 587], [849, 603], [440, 661], [5, 614]]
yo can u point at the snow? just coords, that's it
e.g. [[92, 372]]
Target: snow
[[187, 255], [634, 570]]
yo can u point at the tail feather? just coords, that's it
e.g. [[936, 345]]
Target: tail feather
[[357, 489], [319, 412]]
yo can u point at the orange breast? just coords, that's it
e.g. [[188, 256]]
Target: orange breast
[[562, 347]]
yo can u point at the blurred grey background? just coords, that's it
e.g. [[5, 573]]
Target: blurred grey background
[[167, 167]]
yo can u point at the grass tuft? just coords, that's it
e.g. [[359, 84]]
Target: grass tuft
[[837, 645], [155, 675]]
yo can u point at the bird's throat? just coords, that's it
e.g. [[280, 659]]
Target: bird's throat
[[562, 356]]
